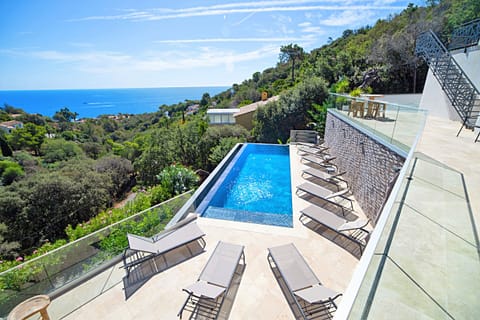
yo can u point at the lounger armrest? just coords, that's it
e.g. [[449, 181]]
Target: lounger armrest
[[337, 194], [336, 175], [354, 225]]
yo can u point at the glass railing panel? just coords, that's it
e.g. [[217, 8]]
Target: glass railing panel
[[61, 267], [408, 122], [427, 259], [393, 123]]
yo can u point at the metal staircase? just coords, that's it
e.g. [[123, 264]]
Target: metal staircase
[[460, 90]]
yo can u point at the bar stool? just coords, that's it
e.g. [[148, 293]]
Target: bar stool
[[29, 307]]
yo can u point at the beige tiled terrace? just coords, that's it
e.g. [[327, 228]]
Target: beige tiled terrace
[[258, 296]]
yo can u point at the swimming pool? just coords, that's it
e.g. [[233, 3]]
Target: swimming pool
[[255, 187]]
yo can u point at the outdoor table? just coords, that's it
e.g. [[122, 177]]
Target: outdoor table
[[29, 307]]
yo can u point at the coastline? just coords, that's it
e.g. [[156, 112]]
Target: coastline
[[91, 103]]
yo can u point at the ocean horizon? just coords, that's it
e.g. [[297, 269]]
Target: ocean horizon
[[91, 103]]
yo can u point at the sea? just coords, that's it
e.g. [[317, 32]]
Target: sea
[[91, 103]]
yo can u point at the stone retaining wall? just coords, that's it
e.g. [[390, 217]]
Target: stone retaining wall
[[371, 167]]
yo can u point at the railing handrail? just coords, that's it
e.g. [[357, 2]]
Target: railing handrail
[[90, 234], [377, 100], [465, 27]]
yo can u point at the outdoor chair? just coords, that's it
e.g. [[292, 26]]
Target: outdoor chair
[[141, 249], [325, 195], [206, 296], [356, 108], [352, 230], [310, 296], [328, 177]]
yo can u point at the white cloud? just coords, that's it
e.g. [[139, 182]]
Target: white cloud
[[104, 62], [248, 16], [304, 24], [349, 17], [241, 7]]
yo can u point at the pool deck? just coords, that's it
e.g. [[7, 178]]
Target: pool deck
[[258, 295]]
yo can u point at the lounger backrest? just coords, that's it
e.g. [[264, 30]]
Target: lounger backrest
[[221, 266], [180, 237], [176, 226], [140, 243], [173, 239], [324, 216], [293, 267], [315, 190]]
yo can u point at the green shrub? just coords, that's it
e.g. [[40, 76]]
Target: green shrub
[[177, 179], [159, 194], [55, 150], [219, 152], [10, 171]]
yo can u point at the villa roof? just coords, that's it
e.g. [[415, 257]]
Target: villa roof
[[223, 111], [252, 107], [11, 123]]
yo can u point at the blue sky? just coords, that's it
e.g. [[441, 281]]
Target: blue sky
[[130, 44]]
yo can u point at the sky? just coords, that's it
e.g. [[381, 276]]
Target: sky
[[69, 44]]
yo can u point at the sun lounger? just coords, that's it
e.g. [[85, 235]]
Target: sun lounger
[[323, 161], [353, 230], [141, 248], [310, 296], [325, 194], [316, 150], [332, 178], [206, 296]]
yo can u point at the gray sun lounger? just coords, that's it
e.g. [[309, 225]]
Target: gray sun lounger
[[353, 230], [312, 150], [322, 161], [310, 296], [332, 178], [325, 194], [141, 248], [206, 296]]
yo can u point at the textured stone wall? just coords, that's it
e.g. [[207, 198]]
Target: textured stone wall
[[371, 167]]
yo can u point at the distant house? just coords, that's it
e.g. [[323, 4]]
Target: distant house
[[245, 116], [193, 109], [222, 116], [8, 126]]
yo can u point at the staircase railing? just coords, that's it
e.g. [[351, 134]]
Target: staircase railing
[[465, 36], [460, 90]]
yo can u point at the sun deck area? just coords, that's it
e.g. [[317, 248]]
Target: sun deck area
[[255, 294]]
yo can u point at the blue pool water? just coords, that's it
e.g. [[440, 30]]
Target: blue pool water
[[255, 187]]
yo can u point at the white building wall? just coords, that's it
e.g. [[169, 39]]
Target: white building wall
[[434, 98]]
